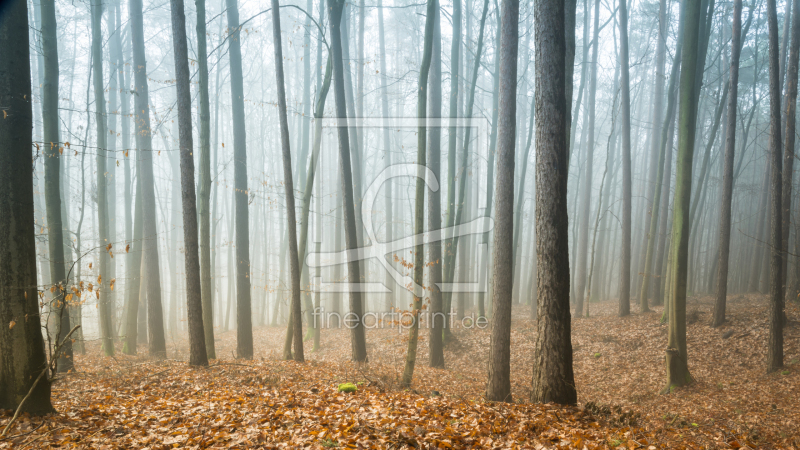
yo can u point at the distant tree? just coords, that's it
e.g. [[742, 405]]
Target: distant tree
[[499, 385], [244, 320], [21, 342], [194, 303], [553, 379], [294, 261], [53, 151]]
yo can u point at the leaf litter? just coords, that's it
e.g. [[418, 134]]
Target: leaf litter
[[133, 402]]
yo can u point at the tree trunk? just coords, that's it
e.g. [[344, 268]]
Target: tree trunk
[[358, 338], [625, 87], [676, 355], [204, 184], [52, 195], [788, 147], [294, 261], [194, 303], [437, 318], [155, 322], [727, 172], [775, 347], [21, 345], [387, 161], [134, 275], [244, 323], [499, 385], [432, 12], [586, 195]]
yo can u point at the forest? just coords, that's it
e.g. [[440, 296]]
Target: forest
[[399, 224]]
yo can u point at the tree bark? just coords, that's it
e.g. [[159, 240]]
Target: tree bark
[[294, 261], [21, 345], [194, 303], [204, 184], [499, 385], [356, 325], [553, 379], [157, 346], [727, 172], [244, 323], [676, 355], [625, 86], [776, 305]]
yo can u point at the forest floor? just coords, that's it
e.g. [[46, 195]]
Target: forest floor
[[134, 402]]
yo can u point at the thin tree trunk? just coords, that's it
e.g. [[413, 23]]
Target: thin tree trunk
[[294, 261], [499, 385], [358, 338], [52, 162], [134, 275], [204, 184], [727, 173], [194, 303], [431, 15], [676, 355], [244, 323], [155, 322], [776, 313], [625, 86]]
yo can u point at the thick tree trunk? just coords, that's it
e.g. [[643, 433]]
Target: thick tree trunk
[[21, 345], [676, 355], [152, 275], [194, 303], [553, 379], [776, 304], [244, 323], [356, 325], [727, 172], [499, 385], [204, 184]]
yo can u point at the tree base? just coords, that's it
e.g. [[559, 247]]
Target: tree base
[[677, 372]]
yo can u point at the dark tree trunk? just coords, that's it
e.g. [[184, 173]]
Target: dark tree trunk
[[358, 338], [788, 145], [775, 347], [499, 386], [294, 261], [52, 192], [157, 345], [194, 303], [244, 322], [553, 379], [727, 171], [625, 87], [204, 184], [21, 345], [676, 355]]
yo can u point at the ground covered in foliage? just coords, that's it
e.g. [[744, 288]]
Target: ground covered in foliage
[[127, 402]]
